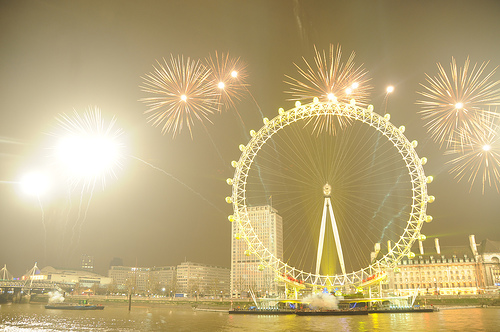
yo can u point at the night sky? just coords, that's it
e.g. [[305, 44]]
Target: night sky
[[60, 56]]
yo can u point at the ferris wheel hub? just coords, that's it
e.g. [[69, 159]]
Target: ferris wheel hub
[[327, 190]]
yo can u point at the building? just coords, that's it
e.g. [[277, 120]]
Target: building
[[247, 271], [165, 279], [143, 280], [489, 253], [87, 262], [73, 278], [448, 270], [197, 279]]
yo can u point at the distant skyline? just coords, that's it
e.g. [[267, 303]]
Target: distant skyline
[[59, 56]]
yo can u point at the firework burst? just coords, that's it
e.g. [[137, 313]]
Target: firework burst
[[88, 150], [480, 157], [229, 76], [454, 105], [329, 79], [182, 91]]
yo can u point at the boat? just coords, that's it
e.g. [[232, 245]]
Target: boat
[[268, 312], [81, 305], [331, 312], [400, 310]]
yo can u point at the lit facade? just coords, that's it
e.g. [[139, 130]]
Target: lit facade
[[197, 279], [463, 270], [72, 277], [156, 280], [247, 271]]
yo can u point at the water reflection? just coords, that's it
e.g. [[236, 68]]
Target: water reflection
[[16, 317]]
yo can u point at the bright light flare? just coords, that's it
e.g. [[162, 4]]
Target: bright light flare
[[87, 155], [454, 103], [87, 150], [34, 183], [231, 75], [181, 92], [390, 89]]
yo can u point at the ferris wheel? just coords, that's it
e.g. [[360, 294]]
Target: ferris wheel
[[342, 193]]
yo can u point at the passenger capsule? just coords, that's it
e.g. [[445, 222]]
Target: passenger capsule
[[229, 200], [229, 181]]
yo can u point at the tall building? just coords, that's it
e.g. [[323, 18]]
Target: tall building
[[204, 280], [87, 263], [247, 272]]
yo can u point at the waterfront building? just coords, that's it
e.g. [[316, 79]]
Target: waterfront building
[[489, 253], [72, 278], [165, 279], [144, 280], [248, 274], [446, 270], [131, 279], [196, 279]]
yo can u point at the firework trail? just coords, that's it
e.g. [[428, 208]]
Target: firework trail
[[179, 181], [181, 91], [87, 152], [454, 104]]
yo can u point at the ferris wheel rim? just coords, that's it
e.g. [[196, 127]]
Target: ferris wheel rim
[[366, 115]]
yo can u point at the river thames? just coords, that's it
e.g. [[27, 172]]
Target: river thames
[[34, 317]]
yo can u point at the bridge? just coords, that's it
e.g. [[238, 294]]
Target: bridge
[[14, 290]]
